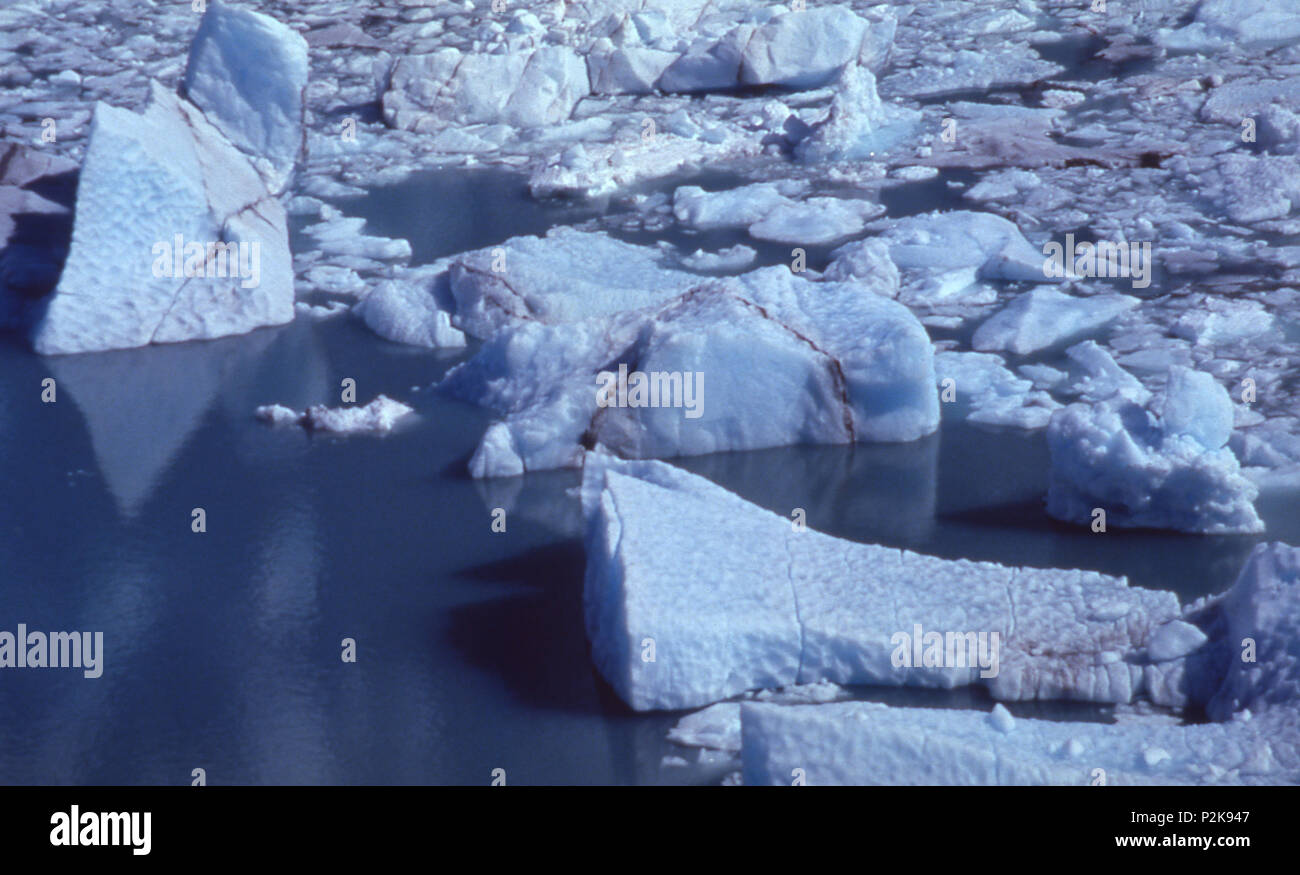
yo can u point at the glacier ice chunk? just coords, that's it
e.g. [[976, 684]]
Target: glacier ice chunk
[[837, 364], [248, 73], [1144, 471]]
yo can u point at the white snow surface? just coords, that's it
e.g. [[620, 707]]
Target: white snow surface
[[377, 417], [146, 179], [776, 359]]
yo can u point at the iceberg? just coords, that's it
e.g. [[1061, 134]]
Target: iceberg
[[248, 73], [1172, 471], [799, 49], [1235, 656], [1253, 662], [778, 606]]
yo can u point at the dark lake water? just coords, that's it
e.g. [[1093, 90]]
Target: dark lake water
[[223, 648]]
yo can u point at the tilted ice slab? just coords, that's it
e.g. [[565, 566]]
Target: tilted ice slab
[[762, 360], [404, 310], [1171, 470], [1043, 317], [448, 87], [765, 605], [847, 743], [248, 73], [146, 180], [1243, 670]]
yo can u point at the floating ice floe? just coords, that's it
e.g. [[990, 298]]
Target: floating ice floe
[[1235, 656], [1169, 468], [968, 70], [870, 743], [732, 258], [737, 207], [994, 394], [163, 195], [789, 607], [857, 124], [405, 310], [761, 360], [377, 417], [989, 244], [247, 72], [815, 222], [1043, 317]]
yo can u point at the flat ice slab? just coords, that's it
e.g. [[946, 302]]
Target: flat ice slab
[[679, 618], [868, 743]]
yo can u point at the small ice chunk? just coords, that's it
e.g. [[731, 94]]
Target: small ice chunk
[[377, 417], [1117, 457], [1173, 640], [1001, 720], [816, 221], [775, 606], [406, 312]]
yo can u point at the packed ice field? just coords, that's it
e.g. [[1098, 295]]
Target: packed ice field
[[1079, 218]]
